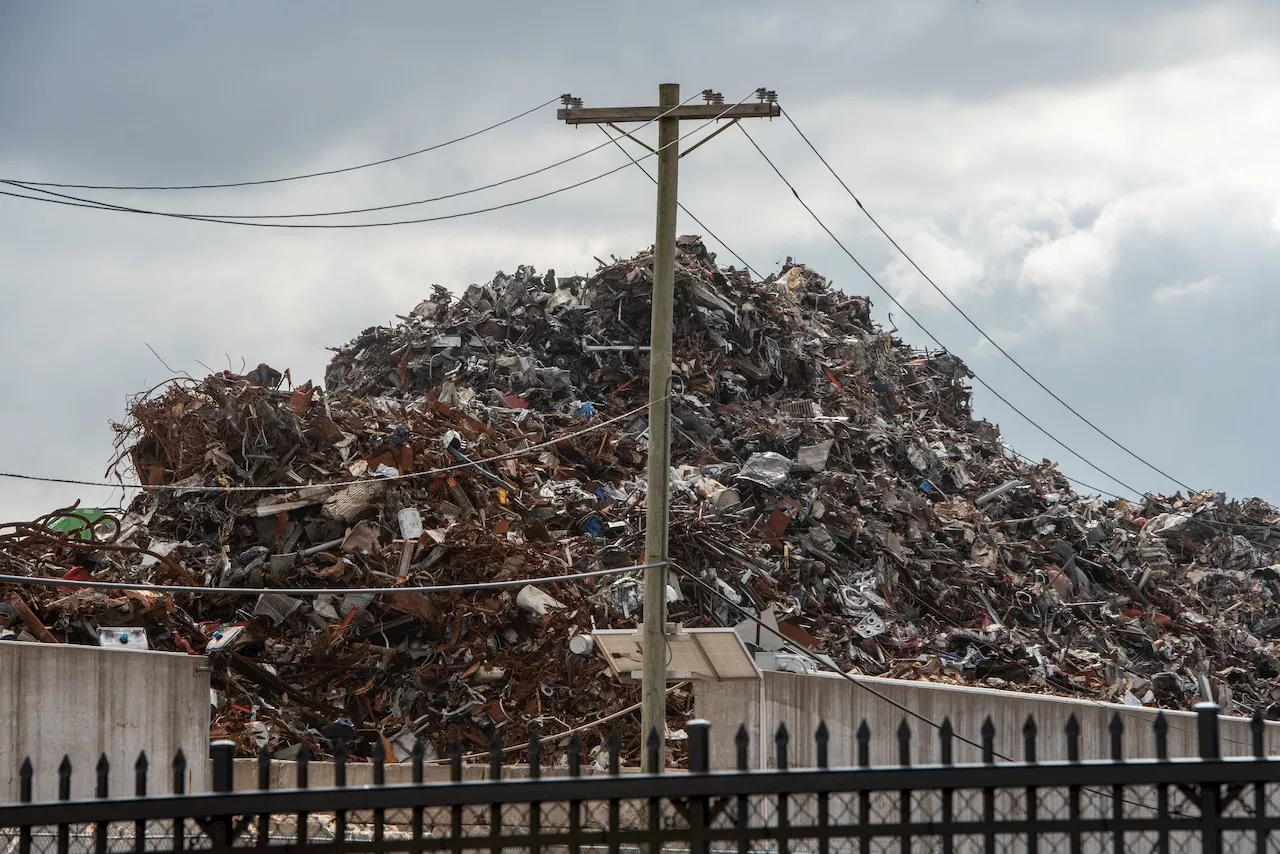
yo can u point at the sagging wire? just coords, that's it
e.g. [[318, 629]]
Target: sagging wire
[[687, 212], [314, 591], [75, 201], [906, 710], [812, 213], [472, 464], [435, 147], [459, 194], [546, 739], [1017, 364]]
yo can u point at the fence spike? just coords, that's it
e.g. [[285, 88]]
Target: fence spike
[[535, 753], [651, 745], [379, 756], [455, 759], [1117, 738], [304, 761], [495, 755], [822, 740], [1258, 727], [1072, 731], [264, 767], [864, 744], [575, 755], [25, 775], [103, 771], [1029, 731], [946, 733], [140, 769], [989, 741], [615, 748], [64, 778], [179, 772], [781, 741], [904, 743], [419, 756], [1161, 730]]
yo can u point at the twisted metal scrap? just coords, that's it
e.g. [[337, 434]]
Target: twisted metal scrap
[[35, 538]]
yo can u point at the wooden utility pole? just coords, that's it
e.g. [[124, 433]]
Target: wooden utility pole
[[668, 113]]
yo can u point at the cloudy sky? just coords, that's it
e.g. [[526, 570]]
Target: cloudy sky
[[1096, 183]]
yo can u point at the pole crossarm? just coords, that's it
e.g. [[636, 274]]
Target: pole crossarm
[[607, 115]]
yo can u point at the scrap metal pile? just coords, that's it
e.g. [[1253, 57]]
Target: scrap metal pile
[[826, 475]]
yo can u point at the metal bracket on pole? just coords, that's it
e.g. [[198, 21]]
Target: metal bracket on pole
[[691, 149], [634, 139]]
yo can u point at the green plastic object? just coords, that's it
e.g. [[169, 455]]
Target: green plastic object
[[79, 522]]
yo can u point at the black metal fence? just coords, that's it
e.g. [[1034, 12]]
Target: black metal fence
[[1202, 804]]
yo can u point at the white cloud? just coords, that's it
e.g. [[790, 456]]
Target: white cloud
[[957, 269], [1186, 290], [1069, 275], [1033, 199]]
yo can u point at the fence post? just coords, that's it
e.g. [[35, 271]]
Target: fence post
[[1210, 793], [699, 763], [25, 775], [224, 759], [223, 754], [699, 746]]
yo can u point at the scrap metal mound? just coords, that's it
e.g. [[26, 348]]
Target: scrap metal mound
[[824, 470]]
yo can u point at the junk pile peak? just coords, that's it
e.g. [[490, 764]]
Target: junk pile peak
[[827, 478]]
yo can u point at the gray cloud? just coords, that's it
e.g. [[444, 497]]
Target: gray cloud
[[1095, 182]]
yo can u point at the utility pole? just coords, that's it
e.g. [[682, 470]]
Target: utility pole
[[668, 113]]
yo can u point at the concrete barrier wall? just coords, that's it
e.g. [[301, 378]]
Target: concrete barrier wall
[[83, 701], [801, 701], [283, 774]]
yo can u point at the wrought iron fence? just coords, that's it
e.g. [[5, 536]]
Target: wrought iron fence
[[1205, 804]]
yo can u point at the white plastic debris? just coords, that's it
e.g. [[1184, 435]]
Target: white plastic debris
[[537, 602]]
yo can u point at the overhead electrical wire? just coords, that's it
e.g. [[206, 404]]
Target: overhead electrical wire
[[473, 464], [319, 591], [687, 212], [922, 327], [902, 707], [1027, 459], [1103, 433], [435, 147], [74, 201], [217, 216]]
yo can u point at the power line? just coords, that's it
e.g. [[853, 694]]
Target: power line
[[974, 324], [902, 707], [218, 216], [1027, 459], [547, 739], [687, 212], [923, 328], [317, 591], [72, 201], [174, 487], [435, 147]]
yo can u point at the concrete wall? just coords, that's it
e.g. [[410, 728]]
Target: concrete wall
[[801, 701], [283, 774], [83, 701]]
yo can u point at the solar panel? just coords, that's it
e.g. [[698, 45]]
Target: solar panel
[[708, 655]]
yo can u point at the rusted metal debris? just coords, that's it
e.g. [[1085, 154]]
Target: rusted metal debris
[[825, 472]]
